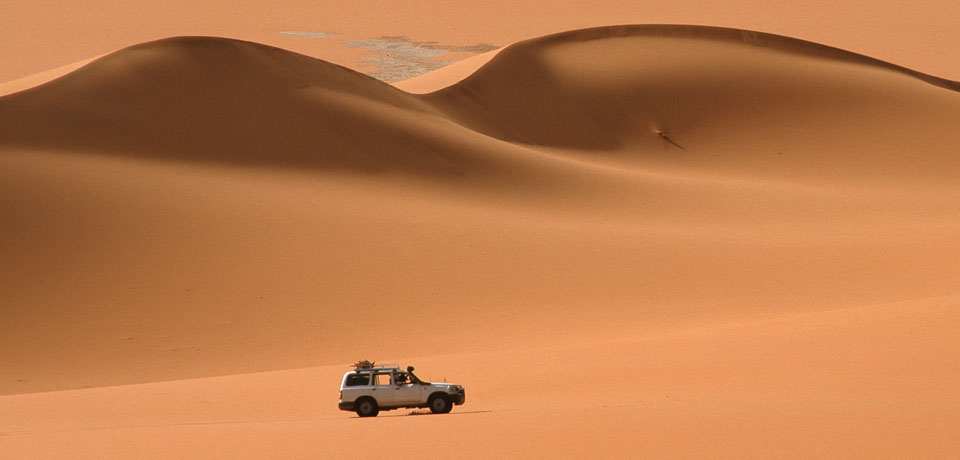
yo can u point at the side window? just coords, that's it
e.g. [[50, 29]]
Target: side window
[[354, 380], [382, 379]]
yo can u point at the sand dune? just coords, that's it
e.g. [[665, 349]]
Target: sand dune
[[754, 234], [248, 102], [209, 99], [621, 86], [921, 35]]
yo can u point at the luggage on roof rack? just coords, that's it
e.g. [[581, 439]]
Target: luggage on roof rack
[[365, 364]]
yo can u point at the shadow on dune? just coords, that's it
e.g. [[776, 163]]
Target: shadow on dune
[[603, 88], [221, 100]]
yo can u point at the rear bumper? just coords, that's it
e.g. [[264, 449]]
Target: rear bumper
[[346, 405]]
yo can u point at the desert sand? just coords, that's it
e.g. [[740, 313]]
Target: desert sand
[[625, 242], [36, 37]]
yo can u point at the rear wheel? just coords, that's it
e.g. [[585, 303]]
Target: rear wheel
[[440, 404], [367, 407]]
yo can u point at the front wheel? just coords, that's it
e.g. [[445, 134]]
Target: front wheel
[[367, 407], [440, 404]]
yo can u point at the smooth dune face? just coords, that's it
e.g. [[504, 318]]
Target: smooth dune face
[[677, 242]]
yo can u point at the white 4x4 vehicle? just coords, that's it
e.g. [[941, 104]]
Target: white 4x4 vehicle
[[368, 389]]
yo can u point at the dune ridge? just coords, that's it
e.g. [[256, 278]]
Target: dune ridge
[[207, 98], [736, 71], [919, 36], [727, 34], [252, 98]]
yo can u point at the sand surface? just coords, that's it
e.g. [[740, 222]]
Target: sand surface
[[36, 37], [674, 242]]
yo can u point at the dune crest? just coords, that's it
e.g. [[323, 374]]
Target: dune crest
[[650, 88], [638, 86], [446, 76], [212, 99]]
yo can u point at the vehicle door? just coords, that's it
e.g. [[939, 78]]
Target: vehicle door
[[407, 392], [383, 389], [355, 385]]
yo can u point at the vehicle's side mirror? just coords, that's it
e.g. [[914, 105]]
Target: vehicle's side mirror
[[409, 368]]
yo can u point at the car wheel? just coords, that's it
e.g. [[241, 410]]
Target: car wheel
[[439, 404], [367, 407]]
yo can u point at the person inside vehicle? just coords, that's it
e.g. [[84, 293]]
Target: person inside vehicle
[[413, 377]]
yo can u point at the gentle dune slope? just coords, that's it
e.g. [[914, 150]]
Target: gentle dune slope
[[870, 382], [609, 197]]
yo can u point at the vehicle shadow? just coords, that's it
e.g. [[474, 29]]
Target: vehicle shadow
[[427, 412]]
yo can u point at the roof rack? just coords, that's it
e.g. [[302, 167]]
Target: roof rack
[[368, 365]]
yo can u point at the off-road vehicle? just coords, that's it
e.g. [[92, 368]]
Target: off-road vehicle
[[369, 389]]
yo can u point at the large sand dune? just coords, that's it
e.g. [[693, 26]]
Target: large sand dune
[[702, 242], [35, 37]]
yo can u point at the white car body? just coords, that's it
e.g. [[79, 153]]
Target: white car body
[[369, 390]]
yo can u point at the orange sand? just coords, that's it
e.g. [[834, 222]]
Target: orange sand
[[37, 36], [644, 241]]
